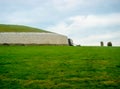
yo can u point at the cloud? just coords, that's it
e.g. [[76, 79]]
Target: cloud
[[31, 16], [86, 22], [89, 29], [41, 11], [78, 19], [106, 37], [95, 20], [66, 4]]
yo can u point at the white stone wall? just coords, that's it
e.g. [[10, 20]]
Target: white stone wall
[[32, 38]]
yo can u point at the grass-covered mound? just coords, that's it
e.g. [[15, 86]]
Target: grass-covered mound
[[19, 28], [49, 67]]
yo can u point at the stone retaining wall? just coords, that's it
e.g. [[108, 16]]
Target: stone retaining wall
[[33, 38]]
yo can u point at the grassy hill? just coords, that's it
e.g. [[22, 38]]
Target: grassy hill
[[56, 67], [19, 28]]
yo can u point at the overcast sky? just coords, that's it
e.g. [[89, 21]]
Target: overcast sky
[[87, 22]]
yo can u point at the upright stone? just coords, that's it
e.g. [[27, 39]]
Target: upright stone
[[109, 44], [101, 43], [70, 42]]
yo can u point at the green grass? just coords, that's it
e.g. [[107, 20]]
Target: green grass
[[59, 67], [19, 28]]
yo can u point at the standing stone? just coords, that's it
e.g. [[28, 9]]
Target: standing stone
[[109, 44], [70, 42], [101, 43]]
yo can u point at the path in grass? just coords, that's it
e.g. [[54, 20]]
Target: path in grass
[[59, 67]]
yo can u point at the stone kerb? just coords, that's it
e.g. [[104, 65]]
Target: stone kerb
[[33, 38]]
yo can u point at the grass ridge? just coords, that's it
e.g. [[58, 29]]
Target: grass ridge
[[19, 28]]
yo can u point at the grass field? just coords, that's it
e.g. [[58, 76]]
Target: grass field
[[18, 28], [59, 67]]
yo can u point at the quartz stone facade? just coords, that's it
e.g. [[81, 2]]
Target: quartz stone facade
[[33, 38]]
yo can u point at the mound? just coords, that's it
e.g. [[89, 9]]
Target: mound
[[19, 28], [18, 34]]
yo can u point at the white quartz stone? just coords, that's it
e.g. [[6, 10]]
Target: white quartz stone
[[33, 38]]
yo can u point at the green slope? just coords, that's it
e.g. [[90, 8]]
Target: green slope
[[19, 28]]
